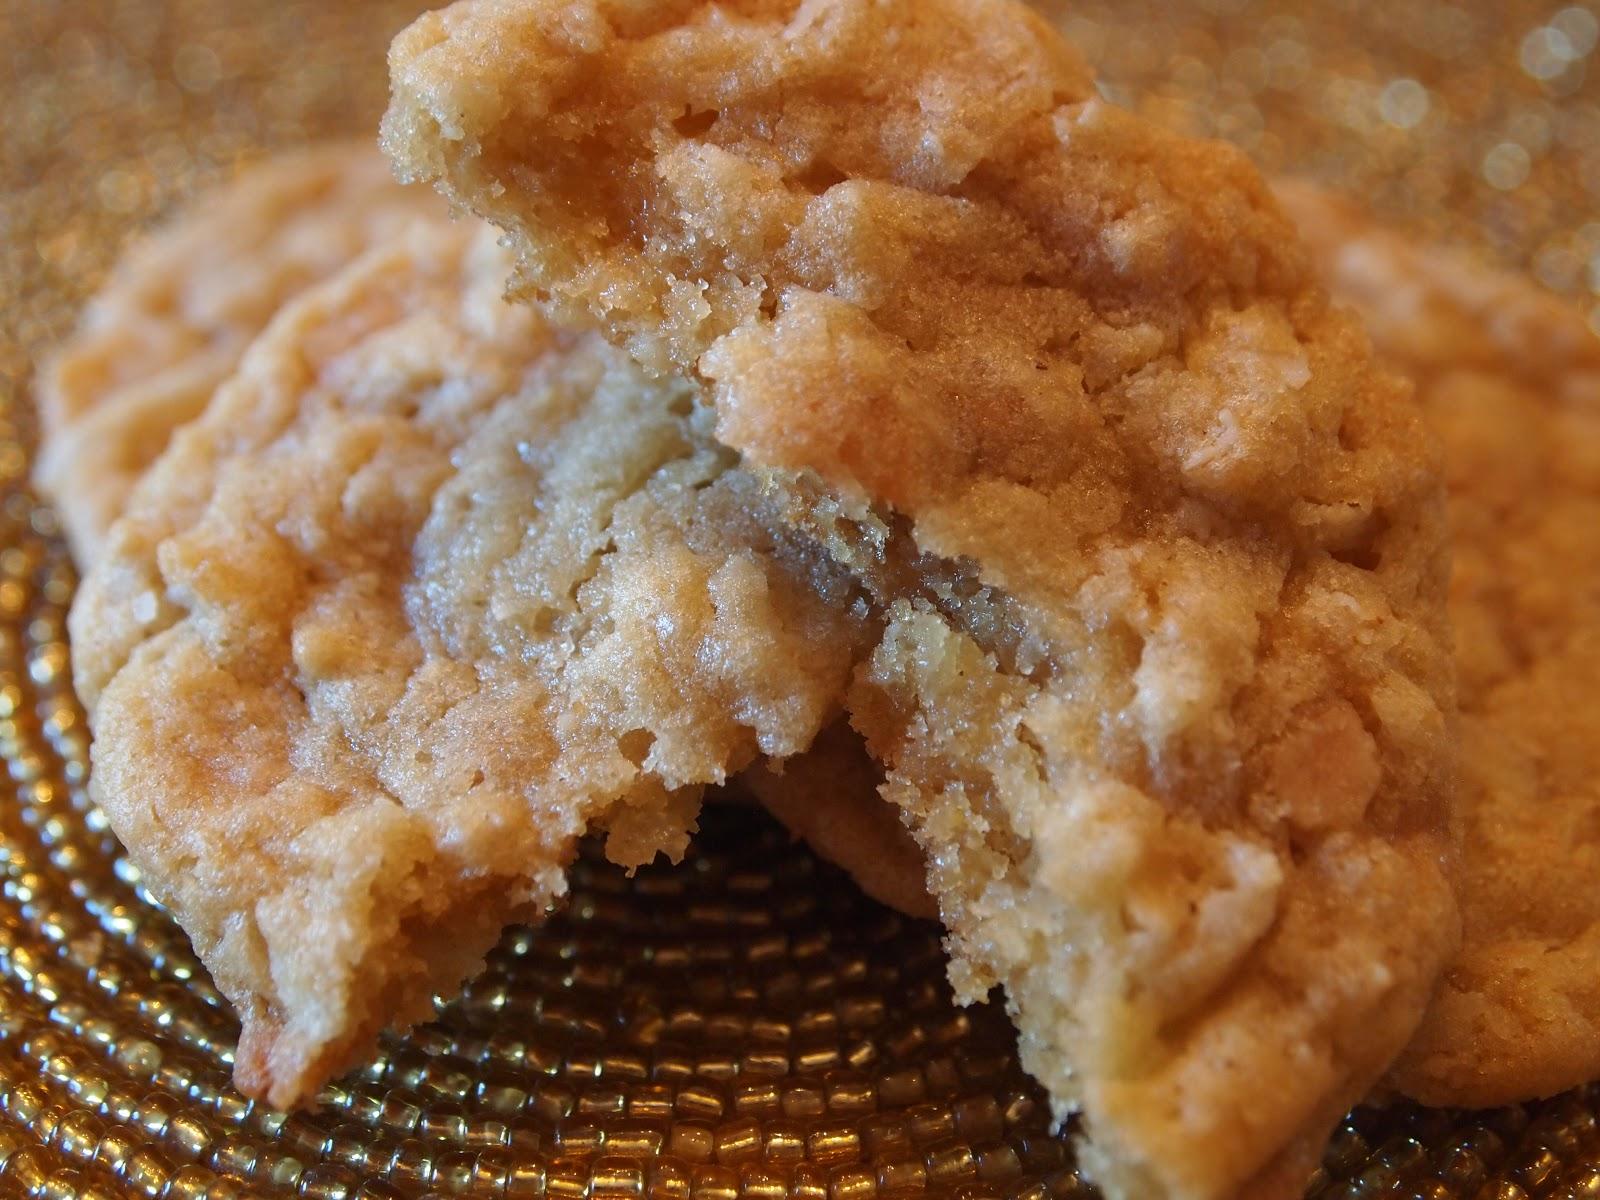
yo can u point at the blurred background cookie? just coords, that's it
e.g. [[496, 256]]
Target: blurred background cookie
[[1510, 380], [180, 307]]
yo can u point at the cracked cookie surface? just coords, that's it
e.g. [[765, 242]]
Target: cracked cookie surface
[[1510, 378], [180, 308], [427, 592], [1155, 552]]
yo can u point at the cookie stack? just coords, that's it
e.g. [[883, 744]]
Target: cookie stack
[[881, 421]]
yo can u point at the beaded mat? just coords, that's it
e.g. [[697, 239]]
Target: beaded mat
[[744, 1026]]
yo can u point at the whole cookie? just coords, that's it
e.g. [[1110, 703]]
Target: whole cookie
[[1510, 377], [1153, 552], [181, 306], [429, 590]]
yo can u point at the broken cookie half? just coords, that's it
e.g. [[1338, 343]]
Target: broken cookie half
[[1153, 553], [429, 591]]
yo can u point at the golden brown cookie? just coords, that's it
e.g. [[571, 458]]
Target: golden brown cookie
[[828, 797], [429, 590], [1510, 377], [181, 306], [1154, 552]]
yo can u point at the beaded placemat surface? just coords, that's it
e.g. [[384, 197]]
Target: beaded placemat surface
[[743, 1026]]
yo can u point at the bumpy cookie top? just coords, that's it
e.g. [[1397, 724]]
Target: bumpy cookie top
[[925, 260], [1163, 684], [427, 591], [1510, 377], [181, 306]]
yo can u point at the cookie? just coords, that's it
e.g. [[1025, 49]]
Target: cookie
[[828, 797], [1510, 377], [428, 591], [1511, 380], [1153, 552], [181, 306]]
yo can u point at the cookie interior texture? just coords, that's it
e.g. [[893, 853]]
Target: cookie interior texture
[[1153, 553], [1510, 378], [180, 308], [428, 591]]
